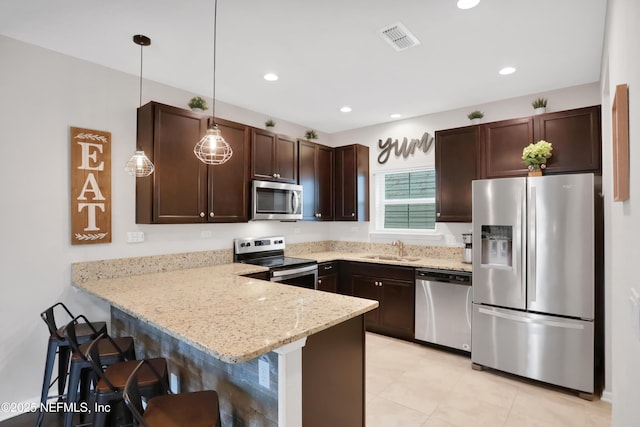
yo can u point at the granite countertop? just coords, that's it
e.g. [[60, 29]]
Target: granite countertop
[[409, 260], [230, 317]]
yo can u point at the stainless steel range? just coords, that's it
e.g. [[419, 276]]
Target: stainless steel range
[[269, 252]]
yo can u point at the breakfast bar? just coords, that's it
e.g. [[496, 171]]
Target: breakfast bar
[[276, 354]]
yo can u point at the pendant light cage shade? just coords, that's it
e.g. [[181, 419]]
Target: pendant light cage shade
[[139, 165], [212, 149]]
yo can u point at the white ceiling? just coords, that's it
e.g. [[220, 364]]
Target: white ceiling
[[328, 53]]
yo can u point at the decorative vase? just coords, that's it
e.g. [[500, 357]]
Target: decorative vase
[[536, 170], [539, 110], [476, 121]]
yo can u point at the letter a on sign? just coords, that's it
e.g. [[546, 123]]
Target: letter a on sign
[[90, 186]]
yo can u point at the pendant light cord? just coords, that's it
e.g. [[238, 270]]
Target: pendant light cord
[[140, 104], [215, 51]]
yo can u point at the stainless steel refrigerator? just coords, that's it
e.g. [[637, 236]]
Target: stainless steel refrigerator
[[536, 277]]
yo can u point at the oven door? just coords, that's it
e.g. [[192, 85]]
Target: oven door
[[304, 277]]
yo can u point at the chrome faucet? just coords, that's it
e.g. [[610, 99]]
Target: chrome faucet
[[400, 245]]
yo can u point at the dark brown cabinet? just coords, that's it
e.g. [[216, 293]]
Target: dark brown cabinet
[[393, 287], [503, 142], [352, 183], [315, 174], [183, 189], [457, 164], [273, 157], [576, 138], [328, 276], [577, 144]]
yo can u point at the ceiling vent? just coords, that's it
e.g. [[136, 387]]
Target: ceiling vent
[[399, 37]]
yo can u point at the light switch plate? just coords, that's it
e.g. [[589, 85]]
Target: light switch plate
[[634, 312], [135, 236]]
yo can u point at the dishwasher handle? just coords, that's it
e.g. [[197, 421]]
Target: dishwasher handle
[[454, 277]]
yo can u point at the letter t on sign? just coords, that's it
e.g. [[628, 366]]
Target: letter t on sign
[[90, 186]]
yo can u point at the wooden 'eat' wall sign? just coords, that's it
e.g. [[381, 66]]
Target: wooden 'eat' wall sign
[[90, 186]]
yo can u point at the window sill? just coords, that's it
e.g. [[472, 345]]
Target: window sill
[[423, 236]]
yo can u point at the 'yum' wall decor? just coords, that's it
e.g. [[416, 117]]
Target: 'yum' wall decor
[[405, 150], [90, 186]]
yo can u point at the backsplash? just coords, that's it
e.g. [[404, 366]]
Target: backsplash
[[82, 272]]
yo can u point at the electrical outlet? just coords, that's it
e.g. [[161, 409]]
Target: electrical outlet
[[135, 236], [174, 383], [206, 234], [634, 312], [263, 372]]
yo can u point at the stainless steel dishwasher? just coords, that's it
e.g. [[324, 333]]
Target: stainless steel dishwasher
[[443, 308]]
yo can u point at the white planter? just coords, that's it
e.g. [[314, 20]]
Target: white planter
[[539, 110], [475, 121], [197, 110]]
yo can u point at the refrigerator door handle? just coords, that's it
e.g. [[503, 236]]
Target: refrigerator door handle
[[532, 244], [521, 222], [566, 325]]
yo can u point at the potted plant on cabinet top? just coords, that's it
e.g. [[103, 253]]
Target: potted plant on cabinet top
[[539, 105], [311, 134], [270, 124], [535, 156], [197, 104], [475, 116]]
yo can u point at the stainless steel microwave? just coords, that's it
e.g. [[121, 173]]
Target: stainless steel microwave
[[276, 200]]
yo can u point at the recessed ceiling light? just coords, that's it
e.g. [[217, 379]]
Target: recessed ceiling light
[[507, 70], [346, 109], [467, 4], [270, 77], [395, 115]]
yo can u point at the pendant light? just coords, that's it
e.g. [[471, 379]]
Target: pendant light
[[212, 149], [139, 164]]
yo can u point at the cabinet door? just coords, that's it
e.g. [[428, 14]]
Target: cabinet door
[[229, 182], [503, 144], [176, 191], [328, 283], [308, 178], [365, 287], [286, 156], [324, 180], [397, 307], [576, 138], [263, 151], [457, 164], [352, 183]]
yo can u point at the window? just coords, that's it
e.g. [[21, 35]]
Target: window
[[406, 200]]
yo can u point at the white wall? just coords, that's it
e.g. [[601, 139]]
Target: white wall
[[621, 64]]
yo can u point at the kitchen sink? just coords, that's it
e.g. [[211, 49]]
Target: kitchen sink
[[392, 257]]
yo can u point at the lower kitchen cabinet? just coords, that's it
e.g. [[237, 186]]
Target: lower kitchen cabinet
[[328, 276], [394, 289]]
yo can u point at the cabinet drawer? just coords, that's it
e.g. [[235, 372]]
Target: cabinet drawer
[[381, 271], [327, 268]]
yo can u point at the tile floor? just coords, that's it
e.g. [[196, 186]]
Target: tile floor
[[415, 385]]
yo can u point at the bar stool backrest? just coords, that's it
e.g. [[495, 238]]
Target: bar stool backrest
[[132, 397], [49, 318], [93, 355]]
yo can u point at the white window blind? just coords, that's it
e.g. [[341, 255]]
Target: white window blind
[[406, 200]]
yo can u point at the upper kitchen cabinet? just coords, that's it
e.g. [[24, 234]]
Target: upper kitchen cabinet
[[183, 189], [503, 142], [352, 183], [576, 138], [274, 157], [457, 164], [315, 174]]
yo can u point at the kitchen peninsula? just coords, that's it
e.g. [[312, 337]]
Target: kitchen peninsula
[[219, 330]]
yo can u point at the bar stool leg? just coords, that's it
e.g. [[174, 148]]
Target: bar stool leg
[[46, 381], [75, 375], [63, 367]]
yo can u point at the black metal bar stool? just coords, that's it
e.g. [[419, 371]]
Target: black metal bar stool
[[58, 345], [107, 393], [110, 350], [193, 409]]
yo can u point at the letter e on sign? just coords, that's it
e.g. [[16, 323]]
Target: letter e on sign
[[90, 186]]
